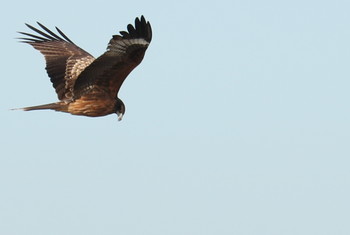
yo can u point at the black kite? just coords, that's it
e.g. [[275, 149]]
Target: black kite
[[85, 85]]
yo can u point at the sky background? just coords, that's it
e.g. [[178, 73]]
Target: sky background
[[237, 122]]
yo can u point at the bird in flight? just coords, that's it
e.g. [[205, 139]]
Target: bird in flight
[[84, 85]]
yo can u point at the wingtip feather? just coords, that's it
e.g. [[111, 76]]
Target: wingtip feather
[[45, 35], [141, 29]]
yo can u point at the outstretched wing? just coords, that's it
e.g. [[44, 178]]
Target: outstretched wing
[[124, 53], [64, 60]]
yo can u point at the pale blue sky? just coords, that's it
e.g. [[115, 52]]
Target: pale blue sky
[[237, 122]]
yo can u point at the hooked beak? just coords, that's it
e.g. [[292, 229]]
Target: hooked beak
[[120, 116]]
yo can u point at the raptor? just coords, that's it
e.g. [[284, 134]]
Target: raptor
[[85, 85]]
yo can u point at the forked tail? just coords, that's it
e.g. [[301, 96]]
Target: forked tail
[[53, 106]]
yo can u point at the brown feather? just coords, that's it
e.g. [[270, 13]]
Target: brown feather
[[64, 60], [93, 104]]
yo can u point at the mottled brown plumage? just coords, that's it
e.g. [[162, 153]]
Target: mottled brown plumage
[[85, 85]]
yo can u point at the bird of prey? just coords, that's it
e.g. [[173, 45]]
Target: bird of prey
[[85, 85]]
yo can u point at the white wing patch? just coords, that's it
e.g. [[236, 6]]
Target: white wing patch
[[74, 67], [121, 46]]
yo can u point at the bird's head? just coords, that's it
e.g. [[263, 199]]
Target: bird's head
[[119, 108]]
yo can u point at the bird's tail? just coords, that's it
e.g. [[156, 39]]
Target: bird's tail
[[53, 106]]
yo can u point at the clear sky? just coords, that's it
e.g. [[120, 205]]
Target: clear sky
[[237, 122]]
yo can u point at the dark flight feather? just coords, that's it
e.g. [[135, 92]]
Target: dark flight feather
[[123, 54]]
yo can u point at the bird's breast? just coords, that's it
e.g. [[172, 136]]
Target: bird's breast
[[92, 106]]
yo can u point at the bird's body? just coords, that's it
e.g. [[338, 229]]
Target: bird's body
[[85, 85]]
